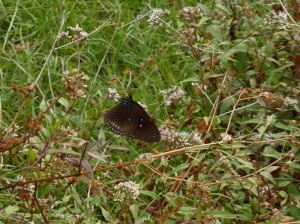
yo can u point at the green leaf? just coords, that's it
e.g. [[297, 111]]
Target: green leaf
[[219, 213], [241, 61], [292, 189], [226, 104], [268, 176], [43, 105], [101, 135], [216, 121], [181, 167], [203, 21], [66, 198], [282, 126], [149, 193], [210, 75], [66, 151], [205, 58], [206, 119], [106, 214], [226, 62], [95, 154], [164, 161], [234, 145], [238, 48], [118, 147], [272, 153], [37, 142], [215, 32], [294, 212], [134, 211], [284, 183], [31, 156], [295, 165], [192, 79], [10, 210], [270, 169], [56, 125], [271, 120], [262, 130], [94, 145], [252, 121], [186, 210], [204, 9], [283, 194], [245, 163], [64, 102], [223, 8], [88, 167], [253, 83]]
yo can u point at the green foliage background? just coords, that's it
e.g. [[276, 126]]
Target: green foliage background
[[238, 65]]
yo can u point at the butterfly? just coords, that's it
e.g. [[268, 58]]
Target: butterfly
[[130, 119]]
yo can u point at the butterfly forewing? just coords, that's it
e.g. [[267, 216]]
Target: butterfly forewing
[[120, 120], [130, 119]]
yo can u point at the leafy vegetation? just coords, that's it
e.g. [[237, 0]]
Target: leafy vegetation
[[220, 79]]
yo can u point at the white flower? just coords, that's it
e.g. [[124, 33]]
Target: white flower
[[63, 35], [226, 137], [196, 138], [172, 95], [157, 15], [76, 29], [126, 190], [113, 94]]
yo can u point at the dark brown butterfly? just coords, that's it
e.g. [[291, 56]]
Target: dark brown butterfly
[[130, 119]]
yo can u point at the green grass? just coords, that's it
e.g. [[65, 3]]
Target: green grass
[[59, 163]]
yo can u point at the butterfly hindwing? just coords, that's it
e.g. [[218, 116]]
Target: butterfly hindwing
[[146, 129]]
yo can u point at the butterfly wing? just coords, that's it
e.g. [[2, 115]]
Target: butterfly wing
[[121, 120], [146, 129], [130, 119]]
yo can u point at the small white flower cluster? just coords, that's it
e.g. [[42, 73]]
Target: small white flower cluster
[[47, 203], [69, 132], [199, 89], [126, 190], [190, 13], [172, 95], [274, 17], [180, 138], [170, 135], [73, 81], [290, 102], [196, 138], [76, 29], [64, 35], [146, 156], [26, 188], [20, 178], [113, 94], [282, 17], [80, 35], [157, 15], [226, 137], [191, 10]]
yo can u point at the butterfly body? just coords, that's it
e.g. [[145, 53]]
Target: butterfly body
[[130, 119]]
